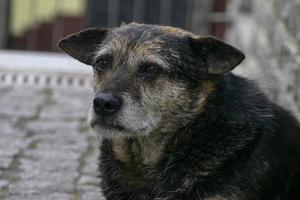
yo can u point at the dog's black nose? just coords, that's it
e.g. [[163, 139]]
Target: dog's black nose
[[107, 103]]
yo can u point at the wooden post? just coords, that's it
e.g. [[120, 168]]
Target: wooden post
[[200, 16], [138, 10], [97, 13], [113, 13], [165, 12], [4, 19]]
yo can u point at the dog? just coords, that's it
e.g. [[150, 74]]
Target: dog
[[177, 124]]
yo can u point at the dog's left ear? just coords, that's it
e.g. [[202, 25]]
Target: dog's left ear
[[82, 45], [214, 55]]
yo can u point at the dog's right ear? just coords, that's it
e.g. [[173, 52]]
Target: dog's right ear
[[82, 45], [215, 56]]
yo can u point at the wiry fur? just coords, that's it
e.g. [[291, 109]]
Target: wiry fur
[[194, 131]]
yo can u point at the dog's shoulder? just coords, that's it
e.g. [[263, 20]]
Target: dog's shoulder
[[275, 159], [285, 121]]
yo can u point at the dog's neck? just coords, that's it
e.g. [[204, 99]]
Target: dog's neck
[[142, 150]]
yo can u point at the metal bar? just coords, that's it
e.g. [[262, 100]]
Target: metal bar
[[188, 14], [138, 10], [219, 17], [4, 13], [58, 26], [96, 13], [113, 13], [165, 12], [31, 42], [200, 14]]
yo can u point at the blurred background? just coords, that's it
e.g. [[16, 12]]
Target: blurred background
[[37, 25], [46, 149]]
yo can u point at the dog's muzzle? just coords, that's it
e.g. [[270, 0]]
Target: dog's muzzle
[[107, 103]]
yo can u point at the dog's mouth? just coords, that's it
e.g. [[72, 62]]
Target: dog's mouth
[[108, 125], [108, 129], [124, 124]]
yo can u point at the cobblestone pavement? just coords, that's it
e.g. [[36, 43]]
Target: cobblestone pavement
[[46, 150]]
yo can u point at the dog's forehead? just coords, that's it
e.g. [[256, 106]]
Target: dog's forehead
[[145, 32], [143, 37], [138, 43]]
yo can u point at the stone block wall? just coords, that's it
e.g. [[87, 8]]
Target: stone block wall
[[269, 33]]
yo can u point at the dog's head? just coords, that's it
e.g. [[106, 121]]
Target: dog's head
[[149, 78]]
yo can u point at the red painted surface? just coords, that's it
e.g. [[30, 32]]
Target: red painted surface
[[218, 29], [44, 37]]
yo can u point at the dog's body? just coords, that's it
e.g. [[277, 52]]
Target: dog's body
[[178, 125]]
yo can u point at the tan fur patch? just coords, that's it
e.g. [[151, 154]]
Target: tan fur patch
[[149, 151], [140, 52], [208, 88], [148, 52], [217, 197], [176, 31], [120, 149], [234, 196], [100, 80], [152, 148]]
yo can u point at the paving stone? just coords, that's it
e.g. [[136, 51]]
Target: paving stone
[[51, 196], [67, 106], [59, 176], [92, 196], [5, 162], [67, 145], [8, 127], [21, 102], [31, 187], [4, 90], [23, 96], [17, 110], [47, 164], [64, 110], [91, 166], [11, 145], [82, 96], [46, 126], [53, 154], [89, 180], [3, 183]]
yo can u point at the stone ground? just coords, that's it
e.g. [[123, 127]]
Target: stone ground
[[46, 150]]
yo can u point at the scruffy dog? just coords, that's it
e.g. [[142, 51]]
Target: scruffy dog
[[178, 125]]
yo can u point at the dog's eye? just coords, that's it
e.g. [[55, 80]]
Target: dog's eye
[[148, 70], [102, 64]]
